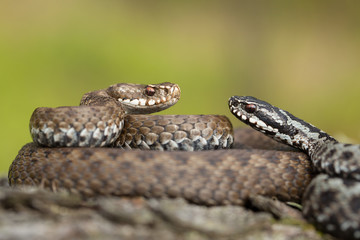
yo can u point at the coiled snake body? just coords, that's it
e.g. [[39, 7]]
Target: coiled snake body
[[208, 177], [106, 118]]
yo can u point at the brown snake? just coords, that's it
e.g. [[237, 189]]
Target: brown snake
[[213, 177]]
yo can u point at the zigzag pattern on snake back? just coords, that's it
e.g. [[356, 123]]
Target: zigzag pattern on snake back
[[208, 177], [332, 200]]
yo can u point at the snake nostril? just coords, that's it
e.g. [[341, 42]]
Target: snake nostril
[[233, 103], [150, 91]]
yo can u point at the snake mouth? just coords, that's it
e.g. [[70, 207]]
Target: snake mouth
[[144, 99], [171, 96]]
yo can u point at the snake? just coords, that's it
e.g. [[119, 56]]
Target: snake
[[332, 200], [103, 147]]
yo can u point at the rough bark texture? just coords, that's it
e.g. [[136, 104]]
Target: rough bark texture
[[31, 213]]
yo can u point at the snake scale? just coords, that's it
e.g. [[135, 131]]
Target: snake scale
[[113, 117]]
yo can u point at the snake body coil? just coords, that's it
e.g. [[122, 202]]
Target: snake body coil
[[210, 177], [115, 117]]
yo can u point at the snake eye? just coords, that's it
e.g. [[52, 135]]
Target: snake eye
[[150, 91], [250, 108]]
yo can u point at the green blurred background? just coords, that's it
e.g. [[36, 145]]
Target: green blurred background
[[300, 55]]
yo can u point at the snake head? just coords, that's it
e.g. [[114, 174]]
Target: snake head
[[275, 122], [258, 114], [141, 99]]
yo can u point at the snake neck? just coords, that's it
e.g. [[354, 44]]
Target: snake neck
[[304, 136]]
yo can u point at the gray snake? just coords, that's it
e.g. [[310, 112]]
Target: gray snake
[[332, 200], [213, 177]]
